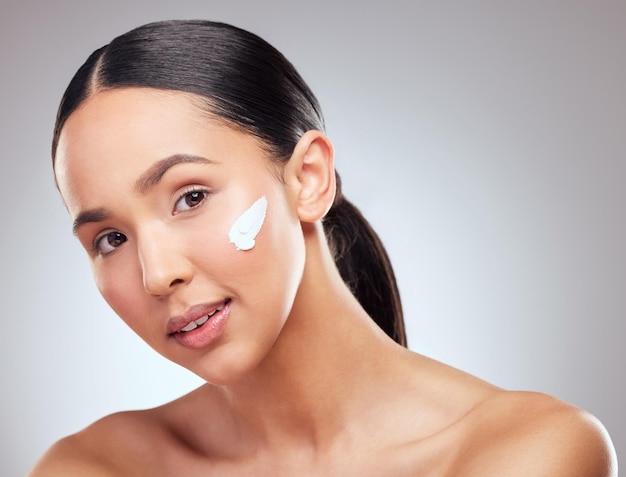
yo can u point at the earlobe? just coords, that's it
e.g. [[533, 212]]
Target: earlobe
[[311, 168]]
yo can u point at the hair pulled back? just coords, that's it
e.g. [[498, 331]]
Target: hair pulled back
[[244, 81]]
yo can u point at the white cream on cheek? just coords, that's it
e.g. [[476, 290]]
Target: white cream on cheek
[[248, 225]]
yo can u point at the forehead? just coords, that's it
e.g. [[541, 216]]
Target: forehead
[[135, 116], [116, 135]]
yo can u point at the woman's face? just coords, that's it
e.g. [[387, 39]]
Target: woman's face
[[153, 187]]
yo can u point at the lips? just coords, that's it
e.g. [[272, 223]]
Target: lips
[[194, 317], [200, 326], [201, 321]]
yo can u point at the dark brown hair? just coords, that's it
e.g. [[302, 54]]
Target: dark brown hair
[[250, 85]]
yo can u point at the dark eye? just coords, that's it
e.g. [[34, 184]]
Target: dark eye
[[189, 200], [107, 243]]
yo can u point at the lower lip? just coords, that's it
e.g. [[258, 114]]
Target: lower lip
[[207, 334]]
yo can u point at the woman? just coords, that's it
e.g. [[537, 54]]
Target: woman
[[192, 159]]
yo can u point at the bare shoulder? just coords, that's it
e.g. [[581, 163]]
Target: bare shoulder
[[75, 455], [111, 446], [532, 434], [145, 442], [70, 457]]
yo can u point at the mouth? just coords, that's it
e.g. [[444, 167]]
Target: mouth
[[186, 323]]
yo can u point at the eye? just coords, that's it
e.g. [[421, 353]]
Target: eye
[[190, 199], [107, 243]]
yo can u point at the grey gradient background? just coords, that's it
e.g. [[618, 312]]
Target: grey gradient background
[[485, 140]]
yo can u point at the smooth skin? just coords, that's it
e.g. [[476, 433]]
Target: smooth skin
[[300, 382]]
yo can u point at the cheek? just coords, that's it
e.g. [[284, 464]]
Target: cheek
[[267, 275], [277, 262], [123, 290], [285, 255]]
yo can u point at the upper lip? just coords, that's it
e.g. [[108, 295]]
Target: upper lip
[[194, 313]]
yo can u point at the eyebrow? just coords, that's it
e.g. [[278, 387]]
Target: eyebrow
[[93, 215], [155, 173], [146, 182]]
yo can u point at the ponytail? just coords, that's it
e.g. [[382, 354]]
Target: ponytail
[[364, 265]]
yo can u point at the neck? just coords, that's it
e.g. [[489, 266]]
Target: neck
[[323, 369]]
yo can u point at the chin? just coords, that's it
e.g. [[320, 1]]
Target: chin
[[225, 368]]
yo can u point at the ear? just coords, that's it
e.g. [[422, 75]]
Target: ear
[[311, 172]]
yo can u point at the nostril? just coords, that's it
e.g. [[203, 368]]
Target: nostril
[[176, 282]]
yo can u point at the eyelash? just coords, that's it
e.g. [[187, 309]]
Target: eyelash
[[98, 240], [187, 193]]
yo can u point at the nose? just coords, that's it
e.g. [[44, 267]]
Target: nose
[[163, 266]]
